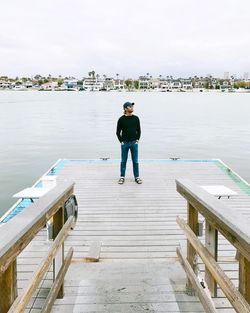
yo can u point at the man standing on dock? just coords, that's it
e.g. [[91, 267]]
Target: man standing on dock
[[128, 133]]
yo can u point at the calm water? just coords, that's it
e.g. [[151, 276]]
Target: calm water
[[37, 128]]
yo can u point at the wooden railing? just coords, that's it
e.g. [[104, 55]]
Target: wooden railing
[[218, 218], [18, 233]]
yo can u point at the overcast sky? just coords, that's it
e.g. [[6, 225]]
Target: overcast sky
[[129, 37]]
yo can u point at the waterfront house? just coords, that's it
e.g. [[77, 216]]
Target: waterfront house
[[28, 84], [187, 84], [154, 83], [92, 83], [144, 82], [165, 85], [215, 83], [176, 84], [199, 84], [119, 84], [71, 83], [226, 85], [108, 83], [49, 86], [4, 84]]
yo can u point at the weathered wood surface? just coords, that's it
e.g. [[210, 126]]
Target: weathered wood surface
[[211, 243], [226, 220], [137, 228], [57, 285], [22, 300], [94, 252], [192, 220], [204, 297], [225, 283]]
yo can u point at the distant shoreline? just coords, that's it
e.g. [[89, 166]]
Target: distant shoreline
[[196, 90]]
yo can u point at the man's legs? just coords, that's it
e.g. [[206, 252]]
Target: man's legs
[[134, 156], [124, 157]]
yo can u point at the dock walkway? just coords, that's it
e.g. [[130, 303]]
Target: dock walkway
[[138, 269]]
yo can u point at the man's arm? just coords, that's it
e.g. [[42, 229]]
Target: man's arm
[[118, 130], [138, 130]]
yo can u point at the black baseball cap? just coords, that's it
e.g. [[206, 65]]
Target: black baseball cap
[[128, 104]]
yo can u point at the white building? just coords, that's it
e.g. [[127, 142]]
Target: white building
[[4, 84], [144, 82], [92, 84], [187, 84], [109, 83], [119, 84], [49, 86], [176, 84], [154, 83], [165, 85]]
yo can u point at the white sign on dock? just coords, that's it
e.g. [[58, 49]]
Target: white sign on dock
[[219, 190]]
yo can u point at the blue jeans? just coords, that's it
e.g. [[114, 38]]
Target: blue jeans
[[133, 147]]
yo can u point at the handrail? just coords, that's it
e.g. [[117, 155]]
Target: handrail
[[20, 303], [57, 283], [225, 283], [18, 233], [219, 218], [206, 301], [223, 218]]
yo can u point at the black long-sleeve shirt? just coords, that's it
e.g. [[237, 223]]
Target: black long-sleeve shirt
[[128, 128]]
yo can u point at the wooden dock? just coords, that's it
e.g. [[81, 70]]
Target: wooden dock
[[136, 230]]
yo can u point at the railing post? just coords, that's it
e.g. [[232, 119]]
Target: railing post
[[244, 277], [58, 222], [211, 243], [192, 219], [8, 287]]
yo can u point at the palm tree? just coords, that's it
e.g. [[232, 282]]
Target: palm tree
[[91, 74], [117, 75]]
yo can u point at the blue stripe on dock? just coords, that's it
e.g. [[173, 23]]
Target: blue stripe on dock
[[19, 208]]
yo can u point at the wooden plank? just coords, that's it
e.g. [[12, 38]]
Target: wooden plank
[[94, 252], [20, 303], [8, 287], [192, 216], [58, 222], [211, 243], [206, 301], [244, 277], [233, 295], [57, 283]]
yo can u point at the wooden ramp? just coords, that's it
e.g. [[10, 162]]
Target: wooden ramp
[[138, 269], [119, 287]]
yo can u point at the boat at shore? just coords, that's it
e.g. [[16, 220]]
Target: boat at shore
[[19, 88]]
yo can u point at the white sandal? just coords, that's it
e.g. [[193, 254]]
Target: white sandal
[[121, 181]]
